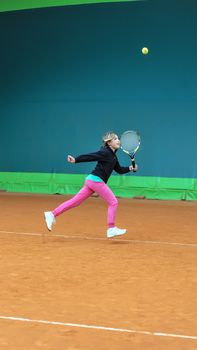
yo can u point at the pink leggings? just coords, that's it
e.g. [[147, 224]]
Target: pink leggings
[[87, 190]]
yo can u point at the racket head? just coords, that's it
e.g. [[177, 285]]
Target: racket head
[[130, 142]]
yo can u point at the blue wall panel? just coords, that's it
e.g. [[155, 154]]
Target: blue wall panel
[[69, 74]]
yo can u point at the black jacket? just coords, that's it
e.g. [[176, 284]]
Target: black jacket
[[107, 162]]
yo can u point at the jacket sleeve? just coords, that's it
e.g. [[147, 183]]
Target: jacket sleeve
[[121, 169], [91, 157]]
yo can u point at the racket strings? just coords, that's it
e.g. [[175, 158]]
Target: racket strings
[[130, 142]]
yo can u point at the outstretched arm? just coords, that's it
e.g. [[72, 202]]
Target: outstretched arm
[[90, 157]]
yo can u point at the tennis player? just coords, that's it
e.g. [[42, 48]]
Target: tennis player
[[97, 182]]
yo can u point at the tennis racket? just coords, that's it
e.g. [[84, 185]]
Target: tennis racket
[[130, 143]]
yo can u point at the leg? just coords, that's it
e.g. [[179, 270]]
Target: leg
[[83, 194], [104, 192]]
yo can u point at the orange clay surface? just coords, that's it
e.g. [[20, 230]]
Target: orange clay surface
[[141, 282]]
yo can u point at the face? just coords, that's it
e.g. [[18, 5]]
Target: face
[[114, 143]]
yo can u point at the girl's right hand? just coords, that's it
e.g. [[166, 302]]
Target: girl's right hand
[[70, 159]]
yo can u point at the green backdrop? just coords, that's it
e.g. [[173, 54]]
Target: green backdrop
[[11, 5]]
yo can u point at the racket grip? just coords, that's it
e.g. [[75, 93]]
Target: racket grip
[[133, 164]]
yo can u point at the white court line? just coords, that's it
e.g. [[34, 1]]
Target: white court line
[[78, 325], [194, 245]]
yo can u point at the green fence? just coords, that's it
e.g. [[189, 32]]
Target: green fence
[[13, 5], [122, 186]]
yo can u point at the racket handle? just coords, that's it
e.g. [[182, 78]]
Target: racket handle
[[133, 164]]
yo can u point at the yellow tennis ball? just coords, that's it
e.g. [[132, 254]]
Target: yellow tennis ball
[[145, 50]]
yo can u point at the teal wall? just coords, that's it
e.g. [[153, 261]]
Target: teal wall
[[68, 74]]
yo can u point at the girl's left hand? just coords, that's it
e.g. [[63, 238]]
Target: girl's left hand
[[70, 159]]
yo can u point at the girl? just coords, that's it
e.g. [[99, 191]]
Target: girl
[[96, 182]]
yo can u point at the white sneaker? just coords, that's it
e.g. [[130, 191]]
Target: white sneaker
[[115, 231], [50, 219]]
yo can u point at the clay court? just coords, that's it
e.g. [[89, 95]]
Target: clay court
[[74, 289]]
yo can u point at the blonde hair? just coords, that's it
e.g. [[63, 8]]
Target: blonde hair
[[108, 137]]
